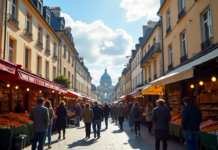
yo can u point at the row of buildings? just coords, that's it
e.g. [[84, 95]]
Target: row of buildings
[[36, 37], [187, 30]]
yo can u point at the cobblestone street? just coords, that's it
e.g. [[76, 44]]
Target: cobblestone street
[[111, 138]]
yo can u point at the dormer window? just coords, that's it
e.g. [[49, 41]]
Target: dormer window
[[48, 18], [40, 7]]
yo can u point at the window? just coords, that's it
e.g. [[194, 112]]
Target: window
[[138, 59], [47, 42], [65, 72], [11, 51], [46, 69], [28, 22], [145, 52], [154, 40], [54, 49], [38, 65], [69, 74], [48, 18], [54, 72], [145, 74], [168, 19], [69, 56], [27, 59], [155, 67], [182, 4], [39, 34], [170, 55], [72, 79], [184, 44], [149, 47], [65, 50], [13, 9], [207, 25], [40, 7], [149, 71], [72, 60]]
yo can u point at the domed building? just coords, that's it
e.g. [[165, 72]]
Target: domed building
[[105, 89]]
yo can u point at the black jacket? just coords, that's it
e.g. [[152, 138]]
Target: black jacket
[[98, 113], [129, 107], [191, 118], [78, 111], [61, 119], [161, 116], [19, 109], [106, 110]]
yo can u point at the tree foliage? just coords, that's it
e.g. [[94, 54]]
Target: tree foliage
[[62, 80]]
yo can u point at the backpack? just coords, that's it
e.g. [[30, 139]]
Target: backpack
[[136, 113]]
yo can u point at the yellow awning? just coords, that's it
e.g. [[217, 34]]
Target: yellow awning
[[153, 90]]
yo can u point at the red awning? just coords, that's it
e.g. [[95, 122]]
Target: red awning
[[135, 93], [74, 94], [38, 80], [7, 66]]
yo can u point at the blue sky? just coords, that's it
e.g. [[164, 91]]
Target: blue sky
[[105, 31]]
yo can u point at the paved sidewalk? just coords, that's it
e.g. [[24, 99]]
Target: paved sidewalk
[[111, 139]]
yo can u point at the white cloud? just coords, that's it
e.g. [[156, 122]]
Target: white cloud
[[108, 43], [140, 8], [100, 46]]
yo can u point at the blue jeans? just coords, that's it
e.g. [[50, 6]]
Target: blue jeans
[[48, 132], [106, 121], [38, 136], [130, 121], [191, 138], [78, 120], [98, 123]]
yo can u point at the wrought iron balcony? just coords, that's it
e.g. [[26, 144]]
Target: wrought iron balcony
[[168, 30], [149, 79], [40, 43], [155, 76], [55, 56], [170, 67], [181, 14], [206, 44], [183, 58], [48, 50], [29, 34], [13, 20], [146, 82], [155, 48]]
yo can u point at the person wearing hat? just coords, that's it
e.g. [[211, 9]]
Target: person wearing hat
[[161, 116], [39, 115]]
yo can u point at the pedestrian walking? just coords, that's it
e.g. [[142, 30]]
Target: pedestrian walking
[[161, 116], [61, 119], [88, 116], [110, 110], [136, 113], [106, 111], [113, 110], [39, 116], [191, 119], [149, 112], [98, 117], [120, 112], [129, 108], [19, 108], [50, 122], [126, 111], [78, 111]]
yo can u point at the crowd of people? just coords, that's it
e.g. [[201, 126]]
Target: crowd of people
[[160, 116]]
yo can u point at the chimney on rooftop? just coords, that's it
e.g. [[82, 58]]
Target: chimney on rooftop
[[151, 24], [144, 28], [56, 11], [68, 29]]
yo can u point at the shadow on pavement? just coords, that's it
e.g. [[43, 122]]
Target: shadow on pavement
[[82, 143], [118, 131]]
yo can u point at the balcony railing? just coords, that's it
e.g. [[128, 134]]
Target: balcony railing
[[181, 14], [29, 34], [12, 19], [40, 43], [48, 50], [155, 48], [149, 79], [155, 76], [183, 58], [206, 44], [55, 56], [170, 67], [168, 30]]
